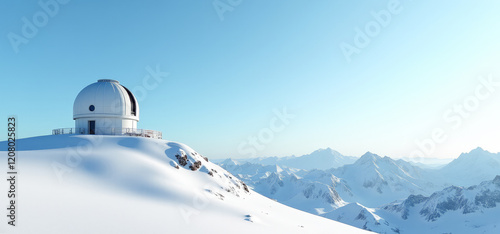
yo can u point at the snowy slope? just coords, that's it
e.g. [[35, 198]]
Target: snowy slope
[[115, 184]]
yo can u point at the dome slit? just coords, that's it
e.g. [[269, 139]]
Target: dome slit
[[133, 103]]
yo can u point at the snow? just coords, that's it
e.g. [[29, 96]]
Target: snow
[[119, 184]]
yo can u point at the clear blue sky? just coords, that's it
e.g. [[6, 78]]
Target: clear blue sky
[[227, 76]]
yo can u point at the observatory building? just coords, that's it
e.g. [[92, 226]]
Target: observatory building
[[106, 108]]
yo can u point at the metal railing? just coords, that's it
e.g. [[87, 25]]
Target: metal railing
[[111, 131], [62, 131]]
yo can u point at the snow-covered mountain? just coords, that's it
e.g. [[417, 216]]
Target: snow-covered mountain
[[320, 159], [118, 184], [373, 180], [471, 168], [312, 196], [455, 209], [310, 191]]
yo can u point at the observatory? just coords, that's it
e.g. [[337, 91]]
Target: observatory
[[106, 108]]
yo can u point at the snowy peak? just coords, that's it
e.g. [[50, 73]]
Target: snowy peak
[[323, 159], [472, 168], [476, 153], [320, 159], [373, 180], [368, 157], [478, 150], [497, 180], [328, 152], [229, 162]]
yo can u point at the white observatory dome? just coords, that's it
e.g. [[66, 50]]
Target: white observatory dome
[[105, 107]]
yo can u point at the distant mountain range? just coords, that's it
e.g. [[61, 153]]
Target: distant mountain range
[[320, 159], [310, 191], [373, 180], [400, 193]]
